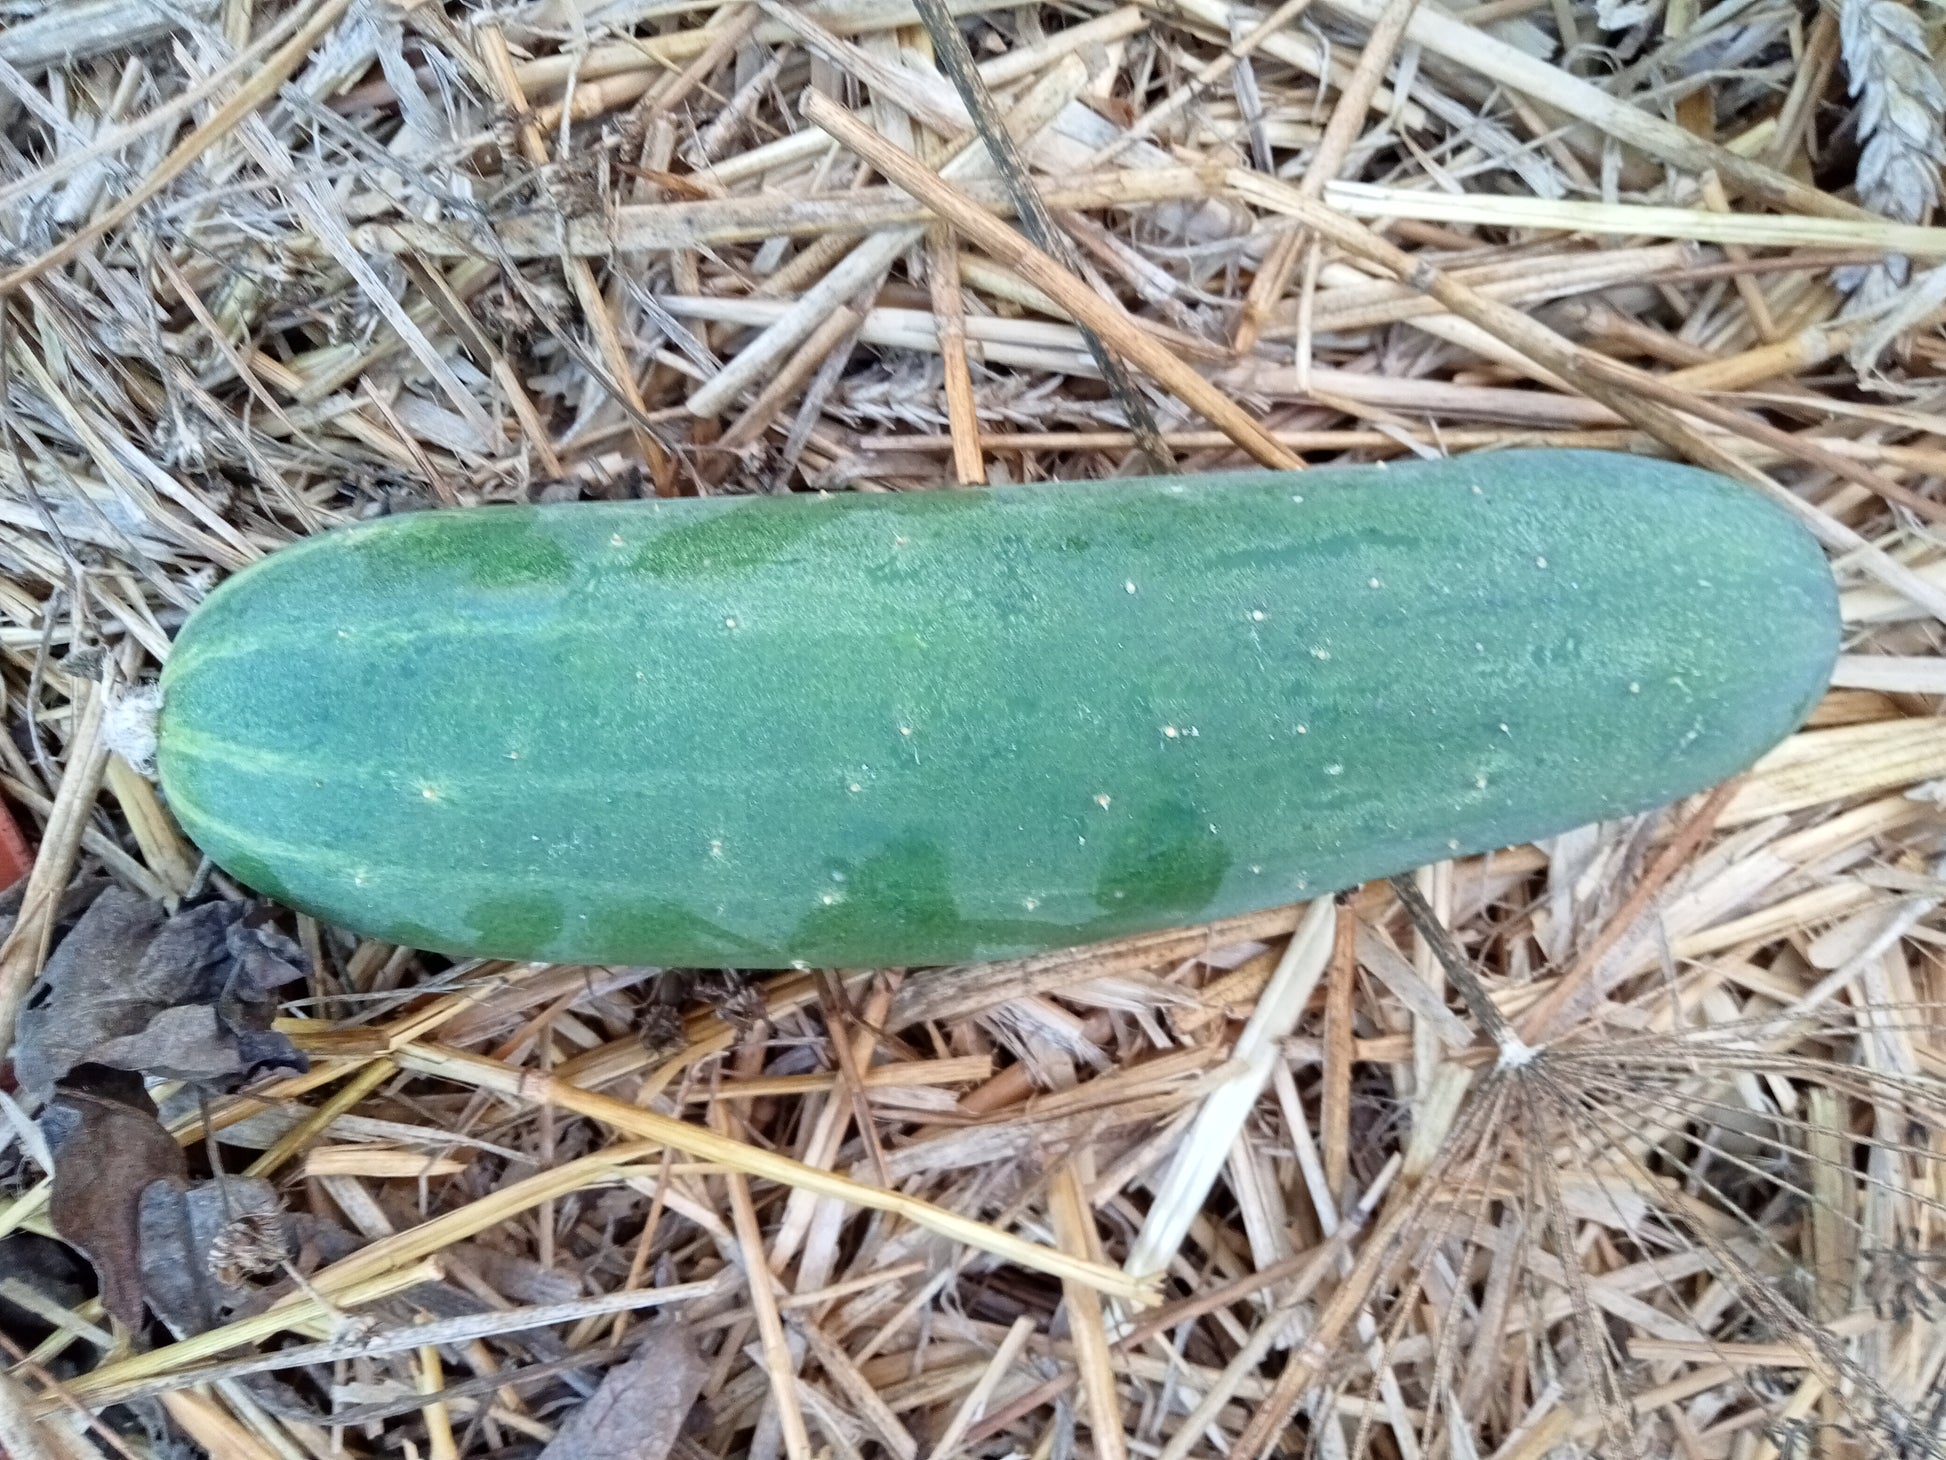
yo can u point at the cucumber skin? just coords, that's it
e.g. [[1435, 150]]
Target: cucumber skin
[[937, 727]]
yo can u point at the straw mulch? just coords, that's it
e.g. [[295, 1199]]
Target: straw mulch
[[1625, 1144]]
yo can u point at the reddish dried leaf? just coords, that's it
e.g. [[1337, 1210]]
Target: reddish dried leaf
[[16, 857]]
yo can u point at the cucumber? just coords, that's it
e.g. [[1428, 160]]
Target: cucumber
[[935, 727]]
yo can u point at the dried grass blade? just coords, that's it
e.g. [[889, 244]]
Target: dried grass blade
[[1636, 220], [1477, 50], [951, 53], [953, 993], [1074, 1228], [753, 1161], [1633, 394], [26, 945], [1207, 1144], [1340, 133], [1102, 315], [257, 88], [302, 1309], [1816, 767]]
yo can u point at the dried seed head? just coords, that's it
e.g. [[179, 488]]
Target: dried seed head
[[1902, 121], [250, 1245]]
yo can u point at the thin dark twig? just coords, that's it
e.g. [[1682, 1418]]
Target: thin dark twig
[[1454, 960], [955, 58]]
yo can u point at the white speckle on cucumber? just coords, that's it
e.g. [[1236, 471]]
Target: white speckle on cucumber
[[1334, 769], [1320, 653], [1256, 615], [1129, 586], [1540, 562], [1102, 801]]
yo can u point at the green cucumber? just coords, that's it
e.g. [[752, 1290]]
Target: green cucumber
[[935, 727]]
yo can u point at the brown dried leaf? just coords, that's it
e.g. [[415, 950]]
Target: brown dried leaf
[[638, 1412], [109, 1149], [188, 997]]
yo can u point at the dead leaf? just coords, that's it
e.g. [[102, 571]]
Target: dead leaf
[[197, 1242], [187, 997], [200, 1248], [638, 1412], [109, 1148]]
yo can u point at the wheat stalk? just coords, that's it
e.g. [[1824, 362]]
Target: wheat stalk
[[1902, 122]]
